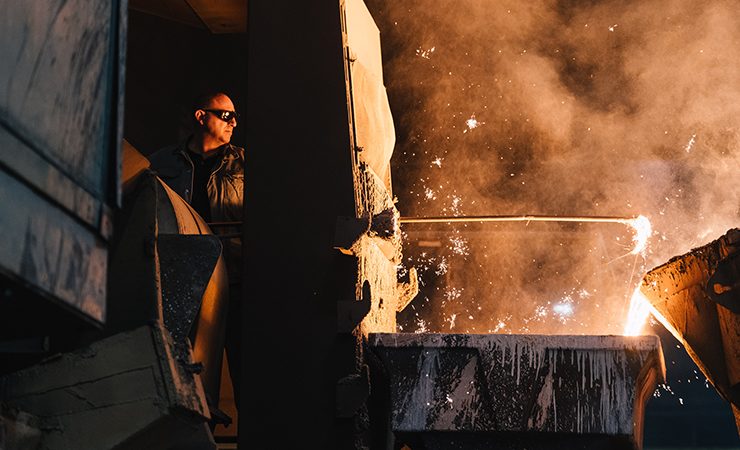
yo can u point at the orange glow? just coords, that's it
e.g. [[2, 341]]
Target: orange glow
[[638, 314]]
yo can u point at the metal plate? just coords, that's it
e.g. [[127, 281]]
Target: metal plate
[[532, 384]]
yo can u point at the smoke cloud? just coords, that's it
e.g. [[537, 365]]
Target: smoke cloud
[[607, 108]]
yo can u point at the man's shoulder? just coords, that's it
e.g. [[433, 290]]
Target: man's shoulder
[[171, 154], [236, 149], [234, 152]]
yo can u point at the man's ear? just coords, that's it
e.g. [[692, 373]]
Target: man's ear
[[199, 114]]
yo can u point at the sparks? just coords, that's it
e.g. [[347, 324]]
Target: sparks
[[459, 246], [425, 53], [472, 123], [638, 314], [563, 309], [691, 143], [437, 162], [456, 202], [452, 293], [643, 230], [499, 326], [442, 267], [421, 326], [540, 311]]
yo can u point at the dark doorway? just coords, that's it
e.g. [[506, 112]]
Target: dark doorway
[[174, 56]]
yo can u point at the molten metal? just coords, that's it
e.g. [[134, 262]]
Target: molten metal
[[638, 314]]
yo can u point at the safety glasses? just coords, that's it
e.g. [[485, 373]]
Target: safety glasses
[[223, 114]]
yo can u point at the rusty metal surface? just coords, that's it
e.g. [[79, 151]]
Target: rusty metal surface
[[378, 253], [724, 285], [528, 385], [710, 332]]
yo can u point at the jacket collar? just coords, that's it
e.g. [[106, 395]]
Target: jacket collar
[[228, 150]]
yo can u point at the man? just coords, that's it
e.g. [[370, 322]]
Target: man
[[208, 172]]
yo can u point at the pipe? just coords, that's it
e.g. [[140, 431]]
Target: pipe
[[528, 218]]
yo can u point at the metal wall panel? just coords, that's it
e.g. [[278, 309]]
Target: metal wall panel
[[43, 246], [374, 131], [60, 110], [55, 94]]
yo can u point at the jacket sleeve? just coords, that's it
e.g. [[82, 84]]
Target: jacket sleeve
[[172, 168]]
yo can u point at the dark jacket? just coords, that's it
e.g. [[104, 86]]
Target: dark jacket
[[225, 190], [225, 187]]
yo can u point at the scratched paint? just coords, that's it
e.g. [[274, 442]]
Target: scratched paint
[[55, 89], [562, 384], [49, 250]]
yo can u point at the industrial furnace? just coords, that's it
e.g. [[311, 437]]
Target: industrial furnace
[[324, 363], [327, 291]]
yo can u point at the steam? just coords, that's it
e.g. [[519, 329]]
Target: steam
[[605, 108]]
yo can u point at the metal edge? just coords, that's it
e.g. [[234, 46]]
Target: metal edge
[[30, 177], [565, 342], [79, 313]]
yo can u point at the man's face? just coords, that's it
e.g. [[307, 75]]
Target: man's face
[[213, 127]]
